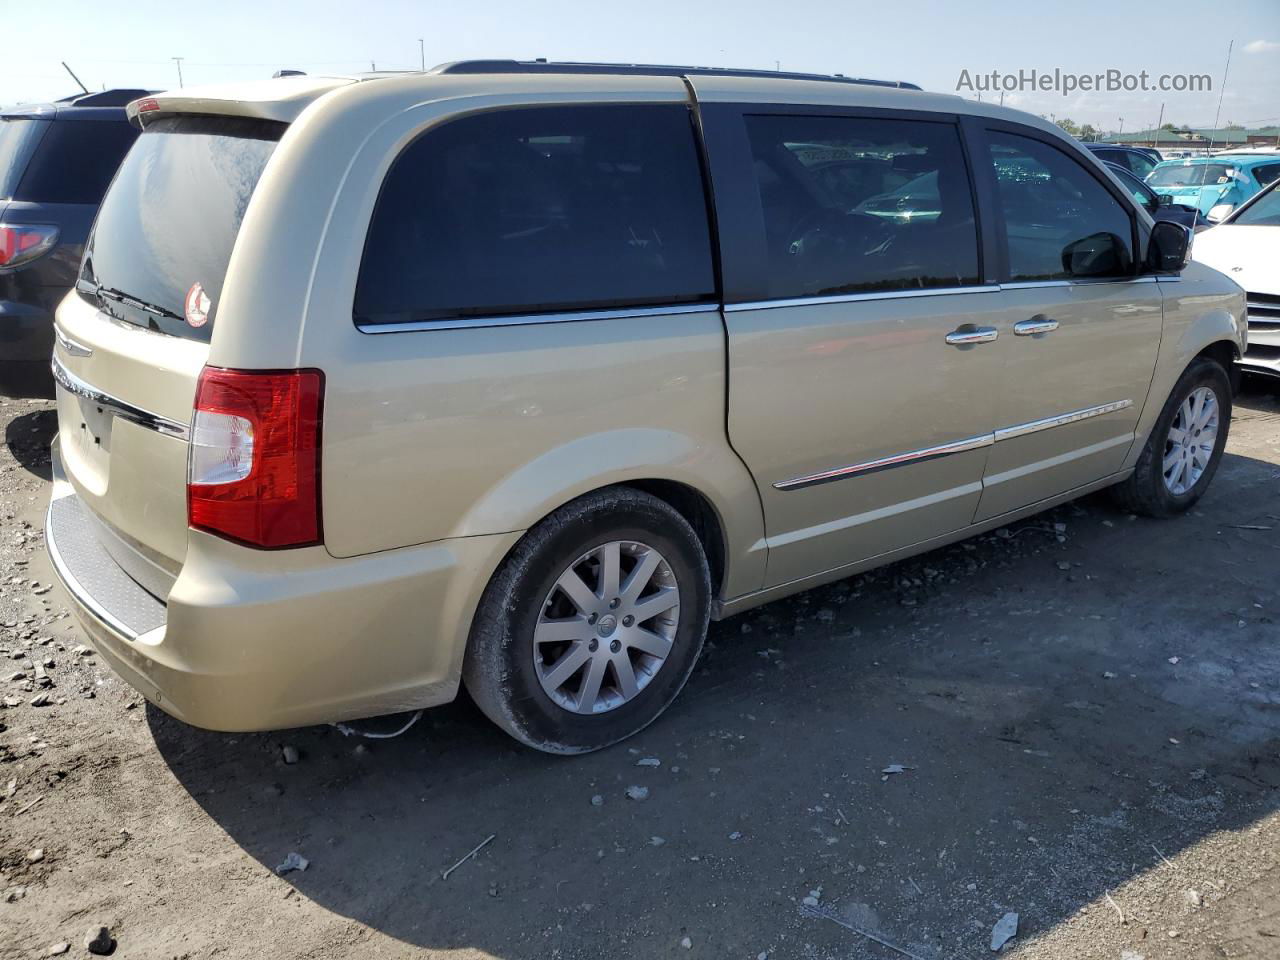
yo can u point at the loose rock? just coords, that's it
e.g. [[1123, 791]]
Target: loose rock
[[1006, 929], [99, 941], [289, 753]]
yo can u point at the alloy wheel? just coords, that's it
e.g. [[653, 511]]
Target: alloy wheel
[[1192, 437], [606, 627]]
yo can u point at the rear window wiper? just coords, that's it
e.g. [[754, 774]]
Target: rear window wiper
[[119, 296]]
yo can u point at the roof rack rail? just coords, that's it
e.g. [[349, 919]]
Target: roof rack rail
[[649, 69]]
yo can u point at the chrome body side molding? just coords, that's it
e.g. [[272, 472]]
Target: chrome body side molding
[[947, 449]]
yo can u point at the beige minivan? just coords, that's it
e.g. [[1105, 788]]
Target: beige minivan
[[517, 374]]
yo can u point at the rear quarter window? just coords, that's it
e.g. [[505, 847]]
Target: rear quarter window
[[19, 137], [75, 161], [535, 210]]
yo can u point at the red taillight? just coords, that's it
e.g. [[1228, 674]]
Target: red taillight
[[22, 242], [253, 472], [147, 105]]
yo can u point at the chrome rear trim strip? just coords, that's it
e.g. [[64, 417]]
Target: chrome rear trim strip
[[884, 463], [1048, 423], [468, 323], [947, 449], [119, 408]]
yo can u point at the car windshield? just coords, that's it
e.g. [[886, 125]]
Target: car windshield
[[1191, 175], [1263, 212], [19, 137]]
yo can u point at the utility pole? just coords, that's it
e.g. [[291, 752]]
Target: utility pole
[[422, 53], [178, 61], [1221, 90], [1159, 123], [74, 77], [1121, 133]]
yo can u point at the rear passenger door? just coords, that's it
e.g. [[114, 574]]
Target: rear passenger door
[[860, 362], [1079, 323]]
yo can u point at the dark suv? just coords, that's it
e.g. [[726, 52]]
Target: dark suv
[[55, 163]]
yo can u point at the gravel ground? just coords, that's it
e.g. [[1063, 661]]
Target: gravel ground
[[1084, 710]]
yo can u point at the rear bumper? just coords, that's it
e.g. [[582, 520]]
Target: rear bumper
[[258, 640], [26, 345]]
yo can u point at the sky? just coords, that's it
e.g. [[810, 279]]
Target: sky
[[926, 42]]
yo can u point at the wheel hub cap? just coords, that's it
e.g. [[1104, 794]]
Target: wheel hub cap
[[623, 593]]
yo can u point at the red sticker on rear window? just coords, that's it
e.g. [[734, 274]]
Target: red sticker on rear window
[[197, 306]]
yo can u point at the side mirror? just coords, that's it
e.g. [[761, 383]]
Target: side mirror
[[1097, 255], [1166, 199], [1169, 248]]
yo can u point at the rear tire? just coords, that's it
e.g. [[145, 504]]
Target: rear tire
[[568, 657], [1178, 461]]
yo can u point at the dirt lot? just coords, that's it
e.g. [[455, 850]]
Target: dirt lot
[[1085, 708]]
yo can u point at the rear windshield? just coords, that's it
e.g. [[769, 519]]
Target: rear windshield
[[1191, 175], [75, 161], [19, 138], [170, 220]]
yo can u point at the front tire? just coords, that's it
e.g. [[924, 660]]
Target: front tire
[[1182, 454], [592, 624]]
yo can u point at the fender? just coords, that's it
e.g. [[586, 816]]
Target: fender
[[524, 496], [1201, 307]]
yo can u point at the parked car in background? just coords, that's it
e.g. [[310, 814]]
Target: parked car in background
[[1246, 247], [1215, 185], [1139, 161], [56, 160], [1160, 208], [514, 375]]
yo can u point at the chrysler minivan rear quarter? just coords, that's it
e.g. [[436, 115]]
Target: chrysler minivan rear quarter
[[517, 375]]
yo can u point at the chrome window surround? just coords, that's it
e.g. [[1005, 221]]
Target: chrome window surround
[[521, 320], [576, 316], [118, 408], [947, 449]]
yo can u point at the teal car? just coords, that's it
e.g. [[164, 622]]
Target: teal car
[[1214, 185]]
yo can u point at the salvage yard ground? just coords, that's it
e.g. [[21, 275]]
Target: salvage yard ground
[[1076, 719]]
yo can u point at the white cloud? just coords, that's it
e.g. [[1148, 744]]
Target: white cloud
[[1261, 46]]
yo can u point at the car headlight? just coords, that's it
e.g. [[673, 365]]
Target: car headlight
[[1219, 210]]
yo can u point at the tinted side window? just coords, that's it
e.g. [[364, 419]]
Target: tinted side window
[[1267, 172], [19, 137], [1140, 164], [859, 204], [1060, 221], [540, 209], [76, 161]]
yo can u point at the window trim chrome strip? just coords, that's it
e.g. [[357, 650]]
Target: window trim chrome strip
[[119, 408], [528, 319], [947, 449], [1061, 420], [858, 297], [885, 463]]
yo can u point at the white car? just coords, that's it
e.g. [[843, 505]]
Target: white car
[[1246, 247]]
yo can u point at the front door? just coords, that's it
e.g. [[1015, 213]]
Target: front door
[[860, 360], [1079, 328]]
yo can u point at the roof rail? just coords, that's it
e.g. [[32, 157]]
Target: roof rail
[[648, 69]]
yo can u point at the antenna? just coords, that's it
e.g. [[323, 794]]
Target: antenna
[[178, 61], [1221, 90], [422, 53], [74, 77]]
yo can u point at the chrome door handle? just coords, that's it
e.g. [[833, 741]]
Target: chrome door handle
[[970, 334], [1037, 324]]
